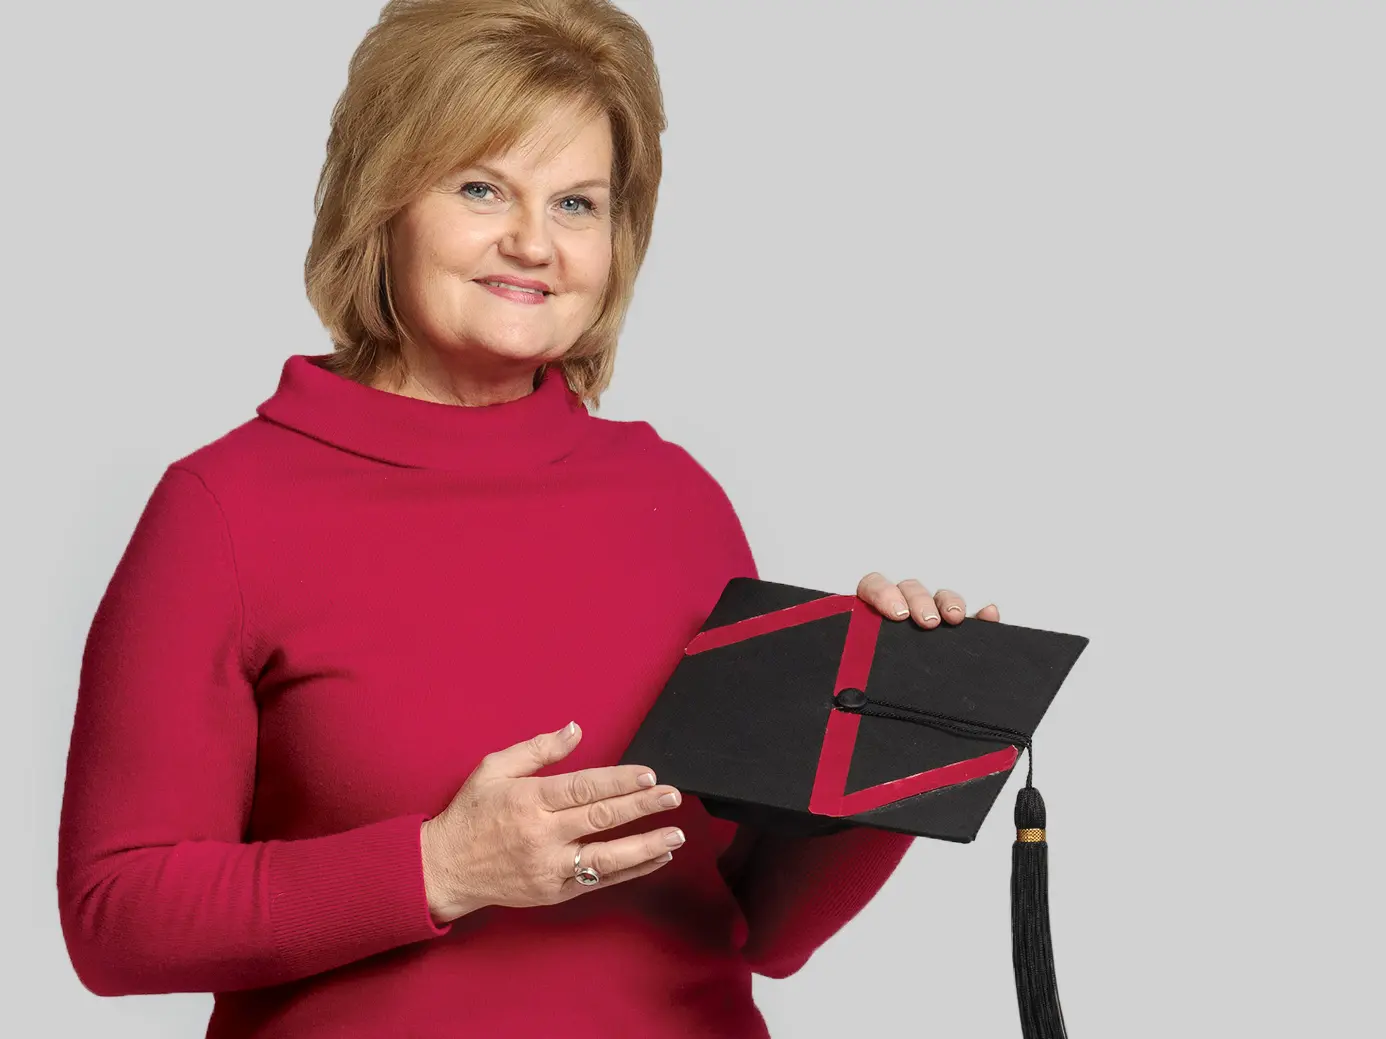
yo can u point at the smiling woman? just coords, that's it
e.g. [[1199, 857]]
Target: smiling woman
[[304, 772]]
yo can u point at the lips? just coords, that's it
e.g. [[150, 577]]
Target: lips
[[517, 284], [524, 291], [507, 290]]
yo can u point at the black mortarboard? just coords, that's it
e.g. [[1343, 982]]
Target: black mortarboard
[[802, 712]]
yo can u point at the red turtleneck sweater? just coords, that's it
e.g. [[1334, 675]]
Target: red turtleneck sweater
[[322, 622]]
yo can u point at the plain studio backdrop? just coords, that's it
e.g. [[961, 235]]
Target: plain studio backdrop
[[1074, 307]]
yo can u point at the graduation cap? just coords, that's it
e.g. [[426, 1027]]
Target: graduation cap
[[801, 712]]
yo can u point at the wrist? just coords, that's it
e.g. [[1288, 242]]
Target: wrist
[[444, 902]]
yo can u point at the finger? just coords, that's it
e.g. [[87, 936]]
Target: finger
[[611, 857], [922, 606], [950, 606], [572, 889], [884, 596], [557, 793], [528, 757], [989, 612], [585, 820]]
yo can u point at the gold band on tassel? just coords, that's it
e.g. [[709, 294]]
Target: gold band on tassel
[[1030, 836]]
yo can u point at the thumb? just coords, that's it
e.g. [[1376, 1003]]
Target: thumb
[[529, 756]]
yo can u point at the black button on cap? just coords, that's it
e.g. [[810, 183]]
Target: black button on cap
[[851, 699]]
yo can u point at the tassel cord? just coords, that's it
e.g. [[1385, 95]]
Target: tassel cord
[[874, 708]]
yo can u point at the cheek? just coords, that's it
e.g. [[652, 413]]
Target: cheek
[[417, 274], [441, 270], [458, 249], [590, 263]]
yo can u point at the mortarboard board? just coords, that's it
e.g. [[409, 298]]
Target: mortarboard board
[[801, 712]]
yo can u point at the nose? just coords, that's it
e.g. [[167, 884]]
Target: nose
[[527, 238]]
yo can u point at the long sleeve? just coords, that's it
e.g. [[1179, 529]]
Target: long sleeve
[[157, 890], [796, 893]]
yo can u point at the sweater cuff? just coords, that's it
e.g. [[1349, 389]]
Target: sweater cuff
[[341, 898], [802, 891], [860, 860]]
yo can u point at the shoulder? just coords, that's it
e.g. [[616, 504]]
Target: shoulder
[[691, 490], [254, 446], [192, 501], [244, 454], [639, 442]]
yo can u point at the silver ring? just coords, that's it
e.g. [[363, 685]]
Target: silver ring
[[584, 875]]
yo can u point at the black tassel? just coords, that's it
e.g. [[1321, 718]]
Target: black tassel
[[1032, 950]]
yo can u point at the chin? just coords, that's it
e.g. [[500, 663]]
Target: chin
[[513, 345], [516, 353]]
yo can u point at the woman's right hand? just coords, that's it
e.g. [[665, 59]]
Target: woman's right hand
[[508, 838]]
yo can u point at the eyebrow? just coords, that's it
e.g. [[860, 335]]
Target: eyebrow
[[582, 185]]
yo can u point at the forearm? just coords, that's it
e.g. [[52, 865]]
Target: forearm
[[212, 916], [799, 892]]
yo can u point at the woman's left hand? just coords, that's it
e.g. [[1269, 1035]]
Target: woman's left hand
[[911, 599]]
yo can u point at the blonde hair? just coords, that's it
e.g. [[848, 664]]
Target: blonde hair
[[439, 84]]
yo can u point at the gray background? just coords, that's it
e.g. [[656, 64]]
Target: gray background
[[1076, 307]]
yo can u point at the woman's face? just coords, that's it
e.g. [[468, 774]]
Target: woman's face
[[503, 264]]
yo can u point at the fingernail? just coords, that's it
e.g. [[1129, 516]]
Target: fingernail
[[669, 800], [674, 838], [646, 779], [931, 617], [665, 857], [955, 608], [901, 610], [569, 731]]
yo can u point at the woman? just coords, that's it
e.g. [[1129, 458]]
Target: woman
[[304, 772]]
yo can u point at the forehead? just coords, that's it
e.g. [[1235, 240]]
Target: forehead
[[567, 143]]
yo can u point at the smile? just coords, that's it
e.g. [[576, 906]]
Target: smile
[[508, 287], [531, 294]]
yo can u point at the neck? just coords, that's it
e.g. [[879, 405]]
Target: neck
[[465, 381], [538, 428]]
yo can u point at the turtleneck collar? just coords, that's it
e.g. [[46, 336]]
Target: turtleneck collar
[[535, 430]]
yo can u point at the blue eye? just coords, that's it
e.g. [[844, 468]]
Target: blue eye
[[476, 190], [580, 204]]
